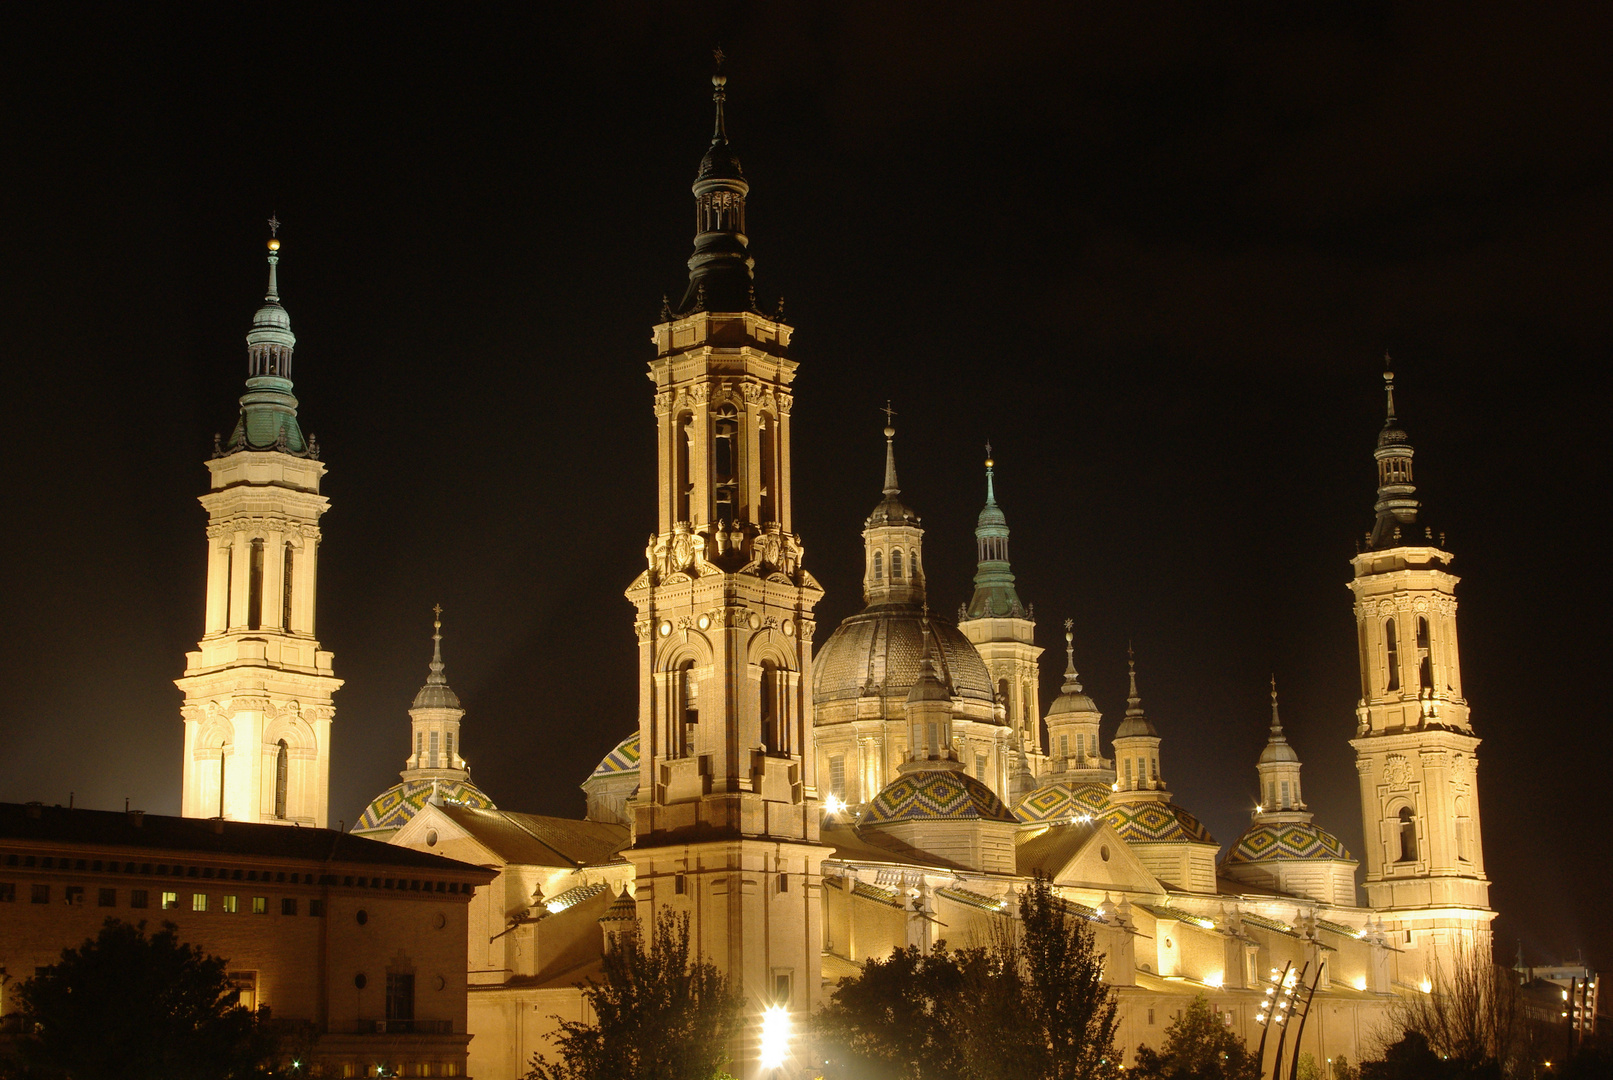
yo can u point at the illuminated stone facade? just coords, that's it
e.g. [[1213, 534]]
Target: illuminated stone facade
[[258, 688]]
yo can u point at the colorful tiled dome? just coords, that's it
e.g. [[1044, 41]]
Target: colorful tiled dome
[[622, 759], [1154, 822], [936, 795], [1061, 801], [392, 809], [1267, 841]]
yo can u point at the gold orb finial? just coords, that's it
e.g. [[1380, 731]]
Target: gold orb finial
[[274, 245]]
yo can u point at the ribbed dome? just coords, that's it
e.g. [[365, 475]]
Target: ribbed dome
[[891, 511], [720, 163], [1268, 841], [991, 517], [1071, 701], [935, 795], [884, 645], [436, 696]]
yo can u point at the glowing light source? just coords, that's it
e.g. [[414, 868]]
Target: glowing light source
[[1214, 979], [1360, 982], [1426, 986], [775, 1036], [833, 804]]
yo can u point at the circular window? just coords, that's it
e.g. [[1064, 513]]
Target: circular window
[[704, 622], [362, 917], [431, 837], [360, 981], [1168, 944], [789, 628], [1103, 853], [442, 920], [666, 629]]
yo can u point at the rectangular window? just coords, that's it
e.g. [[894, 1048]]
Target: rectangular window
[[198, 901], [399, 996], [108, 898], [1285, 793], [1150, 1017], [784, 883], [138, 898], [260, 905], [1064, 746], [1128, 772], [227, 905], [434, 762], [678, 885], [170, 901], [74, 895], [39, 894], [288, 905], [316, 908], [980, 766], [837, 776], [8, 893], [782, 987]]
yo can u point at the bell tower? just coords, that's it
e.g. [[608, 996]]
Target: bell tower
[[726, 816], [1414, 745], [258, 687]]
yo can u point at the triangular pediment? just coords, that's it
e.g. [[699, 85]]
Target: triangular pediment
[[452, 840], [1086, 855]]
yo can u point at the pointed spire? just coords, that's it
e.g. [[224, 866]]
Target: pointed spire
[[719, 94], [268, 418], [1072, 681], [1276, 722], [994, 595], [720, 270], [1389, 389], [1134, 702], [991, 493], [1397, 505], [891, 488], [436, 694]]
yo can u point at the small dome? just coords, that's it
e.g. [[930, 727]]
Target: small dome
[[1278, 751], [1071, 701], [935, 795], [720, 163], [1156, 822], [391, 810], [1133, 726], [436, 696], [1269, 841], [890, 511], [884, 645], [1061, 801], [991, 518], [1391, 435], [623, 759]]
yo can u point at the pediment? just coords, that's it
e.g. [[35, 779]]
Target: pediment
[[1089, 855]]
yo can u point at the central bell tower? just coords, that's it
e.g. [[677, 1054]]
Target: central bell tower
[[726, 816]]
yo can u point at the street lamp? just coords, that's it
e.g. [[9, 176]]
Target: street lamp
[[775, 1036]]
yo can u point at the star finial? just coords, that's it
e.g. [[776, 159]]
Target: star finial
[[436, 609], [274, 225]]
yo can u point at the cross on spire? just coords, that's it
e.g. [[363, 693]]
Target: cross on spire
[[274, 225], [719, 56], [888, 411]]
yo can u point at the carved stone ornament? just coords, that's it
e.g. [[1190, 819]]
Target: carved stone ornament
[[1397, 771], [699, 393], [785, 402], [641, 630], [663, 402]]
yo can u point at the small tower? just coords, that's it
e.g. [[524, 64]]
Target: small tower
[[258, 687], [1001, 627], [1415, 748], [1283, 849], [726, 817], [1137, 750], [893, 542], [435, 771], [929, 719], [1072, 727]]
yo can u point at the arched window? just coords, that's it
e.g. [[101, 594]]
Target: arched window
[[774, 714], [682, 484], [285, 588], [254, 587], [1463, 826], [896, 565], [1425, 660], [1002, 693], [685, 710], [879, 566], [767, 440], [725, 463], [1391, 656], [1408, 836], [282, 778]]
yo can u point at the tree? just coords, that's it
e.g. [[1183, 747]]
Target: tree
[[127, 1006], [1471, 1021], [1198, 1046], [1031, 1005], [658, 1014]]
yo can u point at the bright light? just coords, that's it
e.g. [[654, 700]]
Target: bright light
[[1260, 809], [775, 1036], [1426, 986], [833, 804], [1360, 982], [1214, 980]]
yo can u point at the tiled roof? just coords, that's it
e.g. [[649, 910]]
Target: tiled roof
[[936, 795], [572, 897], [535, 840], [1062, 801], [623, 758], [1267, 841], [391, 810], [878, 893], [1152, 822], [972, 899]]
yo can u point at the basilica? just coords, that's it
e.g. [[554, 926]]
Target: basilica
[[811, 799]]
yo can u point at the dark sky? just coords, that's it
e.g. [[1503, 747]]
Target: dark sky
[[1154, 254]]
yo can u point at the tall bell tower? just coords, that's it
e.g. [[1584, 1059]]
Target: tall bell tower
[[258, 687], [1414, 745], [726, 815]]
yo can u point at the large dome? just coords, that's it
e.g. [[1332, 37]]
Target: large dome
[[1062, 800], [883, 644], [1153, 822], [391, 810], [1267, 841], [935, 795]]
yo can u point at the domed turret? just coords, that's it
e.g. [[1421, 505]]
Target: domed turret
[[1072, 725], [268, 419]]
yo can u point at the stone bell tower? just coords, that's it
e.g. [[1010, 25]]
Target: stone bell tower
[[1414, 745], [726, 816], [258, 687]]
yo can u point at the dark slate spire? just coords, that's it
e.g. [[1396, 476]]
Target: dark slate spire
[[720, 268], [268, 410], [1397, 505], [436, 694], [994, 595]]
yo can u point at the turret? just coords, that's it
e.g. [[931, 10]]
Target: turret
[[1137, 748], [893, 542], [1072, 723]]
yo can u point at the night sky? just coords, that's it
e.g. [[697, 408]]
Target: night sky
[[1154, 255]]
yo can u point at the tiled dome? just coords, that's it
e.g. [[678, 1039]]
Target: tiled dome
[[935, 795], [1267, 841], [1153, 822], [624, 758], [1053, 803], [392, 809]]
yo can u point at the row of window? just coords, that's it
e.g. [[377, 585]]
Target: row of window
[[1081, 748], [279, 877], [254, 587], [1425, 664], [420, 751], [167, 900], [896, 565]]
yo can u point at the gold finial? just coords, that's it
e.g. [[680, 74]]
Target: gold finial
[[436, 609], [890, 413], [989, 461], [274, 230]]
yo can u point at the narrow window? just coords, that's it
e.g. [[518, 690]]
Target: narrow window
[[229, 585], [1284, 803], [768, 440], [420, 749], [683, 486], [784, 883], [1392, 653], [725, 463], [837, 776], [679, 884], [1408, 836], [1002, 695], [1128, 773], [282, 773], [980, 766], [285, 590], [1153, 765], [1064, 745], [879, 566], [930, 742], [399, 998], [896, 565], [686, 711], [913, 564], [1463, 825], [254, 587], [450, 739], [1271, 793], [434, 760], [1425, 662], [773, 712]]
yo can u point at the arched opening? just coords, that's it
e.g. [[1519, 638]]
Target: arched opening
[[682, 486], [1408, 836], [774, 712], [767, 440], [1391, 656], [1463, 826], [879, 566], [725, 464], [1425, 661], [229, 585], [896, 565], [685, 711], [1002, 695], [282, 778], [286, 567], [254, 587]]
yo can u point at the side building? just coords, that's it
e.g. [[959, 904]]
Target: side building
[[356, 949]]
